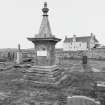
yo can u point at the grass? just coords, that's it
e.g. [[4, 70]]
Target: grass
[[12, 82], [98, 64]]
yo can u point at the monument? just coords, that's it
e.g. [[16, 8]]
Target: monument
[[19, 55], [45, 69]]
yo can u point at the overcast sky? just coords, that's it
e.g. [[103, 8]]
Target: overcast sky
[[20, 19]]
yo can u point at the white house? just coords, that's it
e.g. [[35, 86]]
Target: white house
[[79, 43]]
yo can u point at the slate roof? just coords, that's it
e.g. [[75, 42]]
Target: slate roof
[[80, 39]]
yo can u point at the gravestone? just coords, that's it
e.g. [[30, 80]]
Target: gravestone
[[81, 100], [84, 59], [19, 55]]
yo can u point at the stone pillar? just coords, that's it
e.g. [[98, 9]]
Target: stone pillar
[[19, 55]]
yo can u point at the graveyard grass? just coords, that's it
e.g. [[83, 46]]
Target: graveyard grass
[[14, 87]]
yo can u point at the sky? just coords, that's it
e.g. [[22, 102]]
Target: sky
[[20, 19]]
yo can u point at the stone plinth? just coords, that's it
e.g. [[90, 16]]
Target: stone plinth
[[45, 74]]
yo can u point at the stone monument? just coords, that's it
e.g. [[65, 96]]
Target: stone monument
[[45, 69]]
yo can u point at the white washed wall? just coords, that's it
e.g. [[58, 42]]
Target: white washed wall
[[74, 46]]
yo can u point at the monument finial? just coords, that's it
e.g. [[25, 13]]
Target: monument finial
[[45, 9], [45, 4]]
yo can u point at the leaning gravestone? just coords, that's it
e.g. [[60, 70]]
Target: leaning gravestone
[[81, 100]]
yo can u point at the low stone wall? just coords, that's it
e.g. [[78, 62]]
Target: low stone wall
[[96, 53]]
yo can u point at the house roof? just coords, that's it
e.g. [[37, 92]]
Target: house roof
[[80, 39]]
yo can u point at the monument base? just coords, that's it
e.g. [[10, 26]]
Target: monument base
[[45, 74]]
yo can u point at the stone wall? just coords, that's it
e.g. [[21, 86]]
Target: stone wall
[[74, 46], [96, 53]]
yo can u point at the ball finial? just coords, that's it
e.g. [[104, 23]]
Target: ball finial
[[45, 9]]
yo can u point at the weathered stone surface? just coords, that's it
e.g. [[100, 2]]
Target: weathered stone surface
[[45, 74]]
